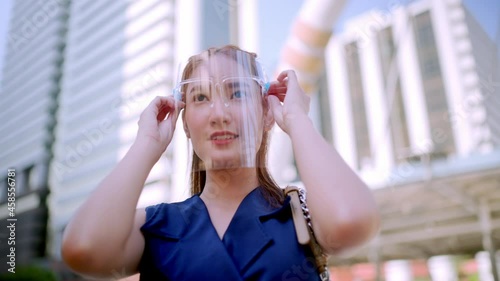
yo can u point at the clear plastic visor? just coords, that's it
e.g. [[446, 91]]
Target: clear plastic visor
[[229, 91], [225, 110]]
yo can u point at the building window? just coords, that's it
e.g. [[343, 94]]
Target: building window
[[3, 190], [22, 182], [433, 86], [397, 115], [361, 135]]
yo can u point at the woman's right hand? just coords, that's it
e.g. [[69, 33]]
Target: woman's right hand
[[157, 123]]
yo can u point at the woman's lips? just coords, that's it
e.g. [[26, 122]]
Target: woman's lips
[[223, 137]]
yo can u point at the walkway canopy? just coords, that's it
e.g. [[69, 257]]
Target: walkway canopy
[[442, 208]]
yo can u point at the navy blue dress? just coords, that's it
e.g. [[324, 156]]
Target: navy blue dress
[[259, 244]]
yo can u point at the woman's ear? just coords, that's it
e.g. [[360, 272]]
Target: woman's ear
[[268, 119]]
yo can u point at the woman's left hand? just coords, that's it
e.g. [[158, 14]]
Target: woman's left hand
[[295, 103]]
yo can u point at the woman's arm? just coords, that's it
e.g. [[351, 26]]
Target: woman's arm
[[343, 210], [103, 237]]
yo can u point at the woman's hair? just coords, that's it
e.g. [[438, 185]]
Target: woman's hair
[[270, 190]]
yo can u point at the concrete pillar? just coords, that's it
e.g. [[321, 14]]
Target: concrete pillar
[[488, 243], [377, 109], [374, 257], [398, 270], [484, 265], [411, 83], [442, 268]]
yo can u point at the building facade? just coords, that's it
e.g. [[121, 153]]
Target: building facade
[[92, 67], [412, 91], [30, 90], [118, 57], [412, 81]]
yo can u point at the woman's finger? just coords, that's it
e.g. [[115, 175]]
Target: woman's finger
[[167, 105], [162, 112], [277, 89], [276, 108], [168, 125], [280, 96], [151, 111], [154, 106], [287, 75]]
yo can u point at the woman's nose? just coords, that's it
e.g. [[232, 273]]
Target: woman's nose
[[219, 111]]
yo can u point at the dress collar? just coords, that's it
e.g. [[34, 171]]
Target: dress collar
[[246, 237]]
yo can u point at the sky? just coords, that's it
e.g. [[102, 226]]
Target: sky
[[281, 13]]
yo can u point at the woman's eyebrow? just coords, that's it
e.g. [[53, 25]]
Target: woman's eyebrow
[[193, 89], [196, 87], [238, 84]]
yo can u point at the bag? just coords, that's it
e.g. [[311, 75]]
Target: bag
[[304, 230]]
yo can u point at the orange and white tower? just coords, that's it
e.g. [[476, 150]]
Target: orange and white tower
[[305, 46]]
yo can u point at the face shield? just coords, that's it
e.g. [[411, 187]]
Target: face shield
[[225, 115]]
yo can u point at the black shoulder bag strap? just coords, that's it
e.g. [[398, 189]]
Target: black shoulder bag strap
[[304, 230]]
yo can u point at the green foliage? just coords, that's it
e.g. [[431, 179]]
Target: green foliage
[[473, 277], [29, 273]]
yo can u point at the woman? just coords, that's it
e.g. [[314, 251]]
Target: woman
[[237, 225]]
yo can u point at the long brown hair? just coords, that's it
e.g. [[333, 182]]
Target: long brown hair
[[269, 188]]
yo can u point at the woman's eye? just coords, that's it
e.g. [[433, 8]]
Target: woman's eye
[[239, 94], [200, 98]]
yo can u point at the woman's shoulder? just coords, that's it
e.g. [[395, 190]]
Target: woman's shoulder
[[161, 208], [161, 217]]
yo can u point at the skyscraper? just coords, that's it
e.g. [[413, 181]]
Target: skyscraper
[[76, 78], [118, 56], [30, 90]]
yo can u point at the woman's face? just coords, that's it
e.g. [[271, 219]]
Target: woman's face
[[224, 113]]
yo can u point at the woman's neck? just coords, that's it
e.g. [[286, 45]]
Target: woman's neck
[[229, 185]]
